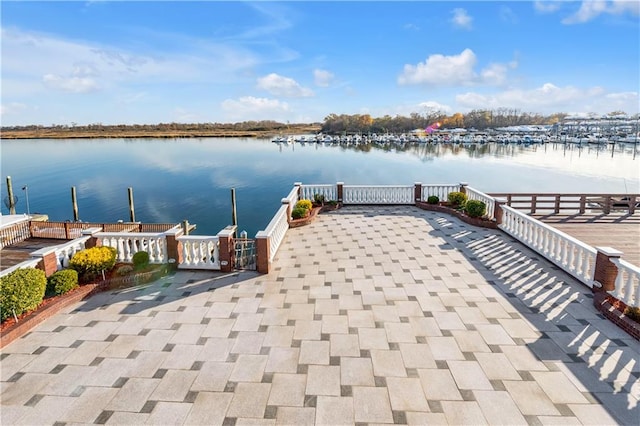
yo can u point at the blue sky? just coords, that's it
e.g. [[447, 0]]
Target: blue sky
[[117, 62]]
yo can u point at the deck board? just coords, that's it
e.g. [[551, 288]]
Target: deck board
[[19, 252], [620, 231]]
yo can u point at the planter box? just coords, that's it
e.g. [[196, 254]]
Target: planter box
[[613, 309], [446, 208], [315, 211]]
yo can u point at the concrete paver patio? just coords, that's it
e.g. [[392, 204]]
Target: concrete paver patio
[[371, 315]]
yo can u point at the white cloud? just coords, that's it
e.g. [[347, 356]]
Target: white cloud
[[454, 70], [508, 15], [283, 86], [546, 6], [461, 19], [590, 9], [433, 106], [81, 80], [550, 98], [322, 78], [12, 108], [252, 108]]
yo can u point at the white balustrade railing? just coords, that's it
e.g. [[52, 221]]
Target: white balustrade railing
[[129, 243], [64, 252], [570, 254], [275, 231], [386, 194], [439, 190], [199, 252], [627, 283], [474, 194], [31, 263], [330, 192]]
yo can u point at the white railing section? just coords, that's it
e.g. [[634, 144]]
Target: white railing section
[[627, 283], [275, 231], [129, 243], [330, 192], [387, 194], [440, 190], [293, 197], [64, 252], [31, 263], [199, 252], [474, 194], [570, 254]]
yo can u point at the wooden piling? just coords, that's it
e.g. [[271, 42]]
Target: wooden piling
[[74, 201], [12, 200], [234, 216], [132, 211]]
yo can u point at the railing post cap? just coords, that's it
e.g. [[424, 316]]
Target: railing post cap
[[297, 183], [339, 183], [500, 200], [262, 234], [284, 201], [609, 251], [417, 183], [464, 183], [91, 231], [227, 231]]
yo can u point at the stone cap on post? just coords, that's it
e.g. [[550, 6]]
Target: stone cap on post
[[609, 251], [606, 272], [91, 231], [227, 232]]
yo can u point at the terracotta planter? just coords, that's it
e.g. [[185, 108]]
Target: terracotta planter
[[315, 211], [445, 207]]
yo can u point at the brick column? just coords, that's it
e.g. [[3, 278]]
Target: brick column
[[463, 187], [263, 252], [48, 260], [227, 248], [174, 247], [498, 212], [606, 271], [417, 191], [93, 241], [340, 191]]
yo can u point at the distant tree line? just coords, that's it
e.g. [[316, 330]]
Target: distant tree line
[[477, 119]]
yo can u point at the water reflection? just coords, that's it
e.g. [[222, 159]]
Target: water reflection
[[191, 179]]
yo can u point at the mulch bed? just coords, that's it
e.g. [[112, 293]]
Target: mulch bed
[[475, 221], [613, 309]]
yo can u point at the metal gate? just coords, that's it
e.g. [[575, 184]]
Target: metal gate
[[245, 254]]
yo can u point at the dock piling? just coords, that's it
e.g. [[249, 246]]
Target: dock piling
[[74, 201], [132, 212], [11, 198]]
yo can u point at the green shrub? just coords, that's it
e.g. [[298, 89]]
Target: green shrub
[[475, 208], [305, 204], [332, 203], [433, 199], [633, 313], [318, 199], [20, 291], [299, 213], [62, 281], [91, 262], [140, 259], [124, 270], [457, 199]]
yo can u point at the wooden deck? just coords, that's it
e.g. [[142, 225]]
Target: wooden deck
[[19, 252], [620, 231]]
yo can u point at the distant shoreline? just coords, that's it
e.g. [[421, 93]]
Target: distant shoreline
[[51, 133]]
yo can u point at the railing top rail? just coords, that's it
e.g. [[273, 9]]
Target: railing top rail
[[561, 194], [130, 234], [321, 185], [378, 186], [31, 263], [196, 237], [549, 228], [440, 184], [282, 211], [626, 264], [477, 191]]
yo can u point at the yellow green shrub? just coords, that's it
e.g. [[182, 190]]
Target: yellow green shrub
[[305, 204], [20, 291], [91, 262]]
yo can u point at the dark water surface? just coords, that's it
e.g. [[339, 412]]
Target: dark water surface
[[177, 179]]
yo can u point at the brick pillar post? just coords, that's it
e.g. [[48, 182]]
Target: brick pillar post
[[93, 241], [606, 271], [286, 202], [263, 252], [174, 247], [340, 191], [417, 191], [227, 248], [48, 260], [463, 187], [498, 212]]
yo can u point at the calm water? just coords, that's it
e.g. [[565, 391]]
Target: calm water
[[179, 179]]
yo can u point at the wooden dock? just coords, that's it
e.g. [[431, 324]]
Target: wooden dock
[[620, 231]]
